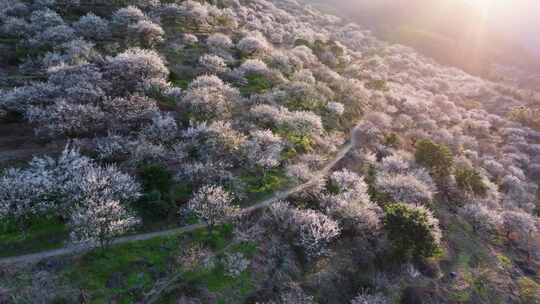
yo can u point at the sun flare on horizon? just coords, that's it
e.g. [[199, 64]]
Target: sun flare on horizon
[[484, 6], [488, 8]]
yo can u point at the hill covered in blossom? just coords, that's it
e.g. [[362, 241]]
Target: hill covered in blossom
[[127, 118], [490, 39]]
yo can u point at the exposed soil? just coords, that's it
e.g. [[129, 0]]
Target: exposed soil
[[18, 144]]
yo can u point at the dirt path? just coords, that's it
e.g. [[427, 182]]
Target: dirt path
[[30, 258]]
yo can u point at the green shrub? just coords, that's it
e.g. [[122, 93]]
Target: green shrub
[[529, 290], [470, 181], [435, 157], [256, 84], [181, 82], [413, 231], [181, 192], [60, 300], [269, 181], [377, 85], [158, 198], [301, 143], [155, 177], [300, 42], [392, 140], [527, 116], [320, 47], [217, 238]]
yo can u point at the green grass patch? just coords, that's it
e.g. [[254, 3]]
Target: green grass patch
[[180, 81], [306, 104], [123, 272], [217, 239], [256, 84], [299, 144], [217, 281], [463, 260], [259, 186], [481, 288], [302, 143], [248, 249], [214, 278], [187, 56], [41, 234], [9, 40], [460, 296], [462, 238], [474, 263]]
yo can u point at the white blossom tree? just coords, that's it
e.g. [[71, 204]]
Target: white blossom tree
[[295, 294], [252, 67], [208, 97], [23, 194], [348, 202], [253, 44], [45, 18], [310, 230], [213, 64], [128, 71], [93, 27], [213, 204], [15, 27], [483, 219], [163, 129], [366, 298], [264, 149], [235, 264], [58, 186], [519, 226], [131, 113], [52, 36], [336, 108], [219, 44], [146, 33], [99, 222], [124, 17], [301, 123], [405, 188], [66, 118], [314, 231], [215, 143]]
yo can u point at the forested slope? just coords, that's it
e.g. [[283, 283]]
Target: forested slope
[[146, 115]]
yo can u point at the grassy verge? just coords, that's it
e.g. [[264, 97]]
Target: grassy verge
[[42, 234], [475, 266], [261, 186], [122, 273], [125, 273]]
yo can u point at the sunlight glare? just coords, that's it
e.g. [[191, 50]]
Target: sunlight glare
[[484, 6]]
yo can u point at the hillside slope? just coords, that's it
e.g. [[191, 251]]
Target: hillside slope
[[182, 112], [454, 33]]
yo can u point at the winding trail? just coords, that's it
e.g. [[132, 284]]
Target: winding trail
[[281, 195]]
